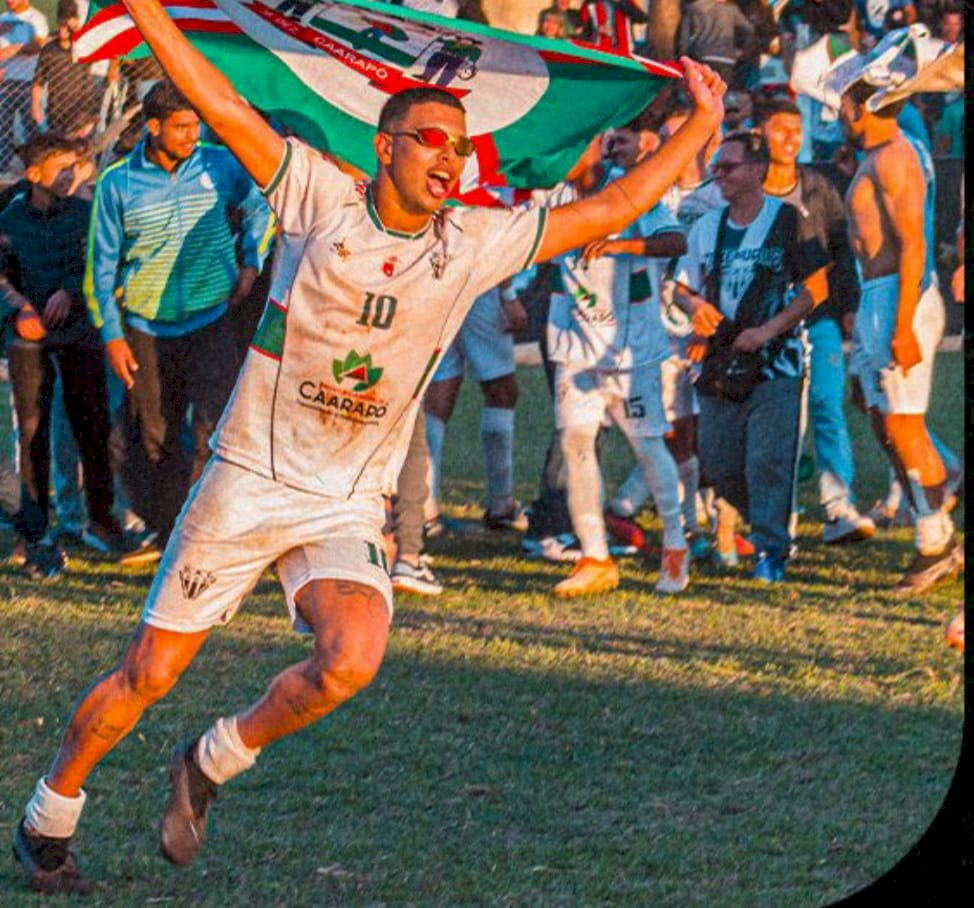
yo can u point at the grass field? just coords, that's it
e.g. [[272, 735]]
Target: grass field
[[737, 746]]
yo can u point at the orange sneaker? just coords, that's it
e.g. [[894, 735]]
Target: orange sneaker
[[744, 546], [674, 571], [590, 575]]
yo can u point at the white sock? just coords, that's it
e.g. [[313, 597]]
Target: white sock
[[584, 490], [664, 482], [632, 494], [221, 754], [497, 438], [689, 473], [933, 526], [435, 433], [51, 814]]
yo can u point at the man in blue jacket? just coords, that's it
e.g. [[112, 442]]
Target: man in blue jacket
[[162, 279]]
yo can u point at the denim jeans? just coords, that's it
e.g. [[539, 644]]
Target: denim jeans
[[830, 434], [749, 453]]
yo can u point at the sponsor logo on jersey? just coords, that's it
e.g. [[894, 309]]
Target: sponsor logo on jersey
[[195, 581], [389, 266], [341, 250], [356, 404], [358, 369]]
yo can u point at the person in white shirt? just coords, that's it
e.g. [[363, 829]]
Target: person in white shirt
[[23, 31]]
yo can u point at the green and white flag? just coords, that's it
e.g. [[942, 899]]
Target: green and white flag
[[325, 69]]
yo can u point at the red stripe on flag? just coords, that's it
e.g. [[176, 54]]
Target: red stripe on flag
[[489, 161], [131, 38], [117, 9]]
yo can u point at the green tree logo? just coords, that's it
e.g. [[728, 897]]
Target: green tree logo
[[358, 368]]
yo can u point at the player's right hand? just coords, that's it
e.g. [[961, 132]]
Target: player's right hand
[[705, 319], [29, 326], [122, 360]]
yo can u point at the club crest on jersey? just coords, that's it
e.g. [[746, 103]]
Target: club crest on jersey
[[389, 266], [341, 250], [438, 263], [357, 368], [195, 581]]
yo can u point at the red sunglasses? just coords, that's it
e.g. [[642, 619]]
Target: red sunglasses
[[434, 137]]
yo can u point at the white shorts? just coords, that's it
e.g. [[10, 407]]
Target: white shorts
[[884, 385], [679, 395], [483, 344], [236, 523], [632, 397]]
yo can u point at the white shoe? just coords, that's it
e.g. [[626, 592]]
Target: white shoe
[[418, 579], [846, 524], [559, 549], [674, 571]]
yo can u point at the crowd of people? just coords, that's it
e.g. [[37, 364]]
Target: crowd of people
[[695, 275]]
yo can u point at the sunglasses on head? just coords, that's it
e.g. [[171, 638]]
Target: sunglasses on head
[[434, 137]]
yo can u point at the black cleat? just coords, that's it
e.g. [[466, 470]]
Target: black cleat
[[929, 570], [182, 829], [50, 866]]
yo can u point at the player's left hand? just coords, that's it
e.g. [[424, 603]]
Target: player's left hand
[[705, 88], [56, 308], [597, 249], [906, 350], [750, 340], [515, 316], [245, 283]]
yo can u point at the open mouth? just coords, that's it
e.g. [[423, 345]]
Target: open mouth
[[439, 183]]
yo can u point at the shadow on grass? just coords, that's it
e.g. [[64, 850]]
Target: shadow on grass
[[451, 783]]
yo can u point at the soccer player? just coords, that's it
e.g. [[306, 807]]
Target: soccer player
[[901, 316], [606, 336], [485, 345], [317, 425]]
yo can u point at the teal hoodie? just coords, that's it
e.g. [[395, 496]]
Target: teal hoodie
[[162, 247]]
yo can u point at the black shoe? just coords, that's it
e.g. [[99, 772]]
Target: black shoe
[[44, 560], [182, 829], [928, 570], [50, 866], [125, 547]]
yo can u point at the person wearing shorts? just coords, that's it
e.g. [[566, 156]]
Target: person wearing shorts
[[900, 321], [372, 282], [485, 347], [607, 339]]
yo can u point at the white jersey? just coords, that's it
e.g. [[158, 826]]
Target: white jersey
[[356, 319], [606, 315]]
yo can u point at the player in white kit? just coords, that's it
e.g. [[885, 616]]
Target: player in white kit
[[372, 282]]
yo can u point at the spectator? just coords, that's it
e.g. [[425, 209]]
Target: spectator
[[608, 23], [738, 282], [873, 19], [822, 219], [71, 105], [717, 33], [163, 253], [570, 19], [551, 24], [23, 31], [950, 28], [44, 234]]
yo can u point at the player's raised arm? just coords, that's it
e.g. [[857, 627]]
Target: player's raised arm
[[258, 148], [625, 199]]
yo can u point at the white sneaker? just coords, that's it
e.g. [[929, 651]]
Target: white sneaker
[[559, 549], [846, 524], [674, 571], [418, 579]]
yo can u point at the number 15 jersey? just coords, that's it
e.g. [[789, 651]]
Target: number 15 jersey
[[357, 317]]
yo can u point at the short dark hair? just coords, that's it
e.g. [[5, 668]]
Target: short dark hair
[[399, 104], [43, 145], [66, 9], [753, 144], [861, 91], [163, 100], [766, 108]]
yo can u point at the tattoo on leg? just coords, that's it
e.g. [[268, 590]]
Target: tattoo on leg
[[105, 731]]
